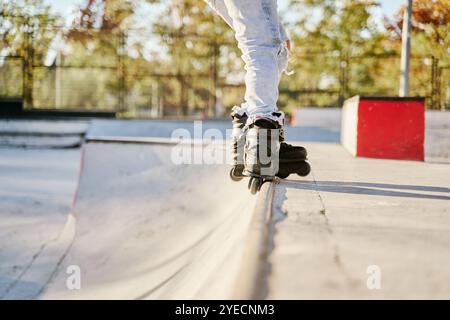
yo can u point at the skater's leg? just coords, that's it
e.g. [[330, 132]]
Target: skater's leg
[[219, 7], [259, 33], [240, 114], [257, 30]]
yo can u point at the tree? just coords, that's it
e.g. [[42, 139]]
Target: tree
[[97, 46], [430, 26], [23, 23], [328, 35], [26, 29], [197, 43], [430, 46], [97, 27]]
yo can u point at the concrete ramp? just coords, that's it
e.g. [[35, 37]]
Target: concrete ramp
[[42, 134], [146, 228]]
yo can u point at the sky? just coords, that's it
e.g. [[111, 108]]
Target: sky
[[65, 7]]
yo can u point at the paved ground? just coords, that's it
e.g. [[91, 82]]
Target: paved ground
[[354, 213], [36, 190], [143, 227]]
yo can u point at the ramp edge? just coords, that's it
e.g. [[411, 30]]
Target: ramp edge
[[251, 282]]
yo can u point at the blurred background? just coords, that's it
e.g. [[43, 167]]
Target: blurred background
[[177, 59]]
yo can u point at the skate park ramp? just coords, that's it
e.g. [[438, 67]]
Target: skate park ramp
[[142, 227], [146, 228], [42, 134]]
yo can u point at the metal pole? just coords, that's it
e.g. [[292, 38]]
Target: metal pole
[[122, 70], [406, 51], [28, 65], [211, 112], [58, 96], [434, 84]]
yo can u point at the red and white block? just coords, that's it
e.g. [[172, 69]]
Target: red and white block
[[387, 128]]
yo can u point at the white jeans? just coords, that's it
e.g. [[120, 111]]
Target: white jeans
[[261, 39]]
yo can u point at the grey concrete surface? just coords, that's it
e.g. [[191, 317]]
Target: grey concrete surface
[[165, 128], [352, 213], [36, 190], [149, 229], [42, 133], [437, 136], [143, 227]]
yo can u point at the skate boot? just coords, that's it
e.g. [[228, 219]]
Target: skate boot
[[292, 159], [239, 118], [262, 146]]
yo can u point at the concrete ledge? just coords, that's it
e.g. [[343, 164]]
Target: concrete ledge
[[251, 282], [15, 113]]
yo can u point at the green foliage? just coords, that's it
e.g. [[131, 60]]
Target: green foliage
[[199, 51], [24, 23], [330, 40], [186, 57], [431, 28]]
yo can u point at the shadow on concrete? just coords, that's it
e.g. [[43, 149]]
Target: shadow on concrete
[[373, 189]]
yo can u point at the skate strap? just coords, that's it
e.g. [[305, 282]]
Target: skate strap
[[277, 117], [239, 111]]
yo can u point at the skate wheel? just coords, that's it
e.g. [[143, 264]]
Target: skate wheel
[[235, 176], [305, 170], [249, 185], [254, 185], [282, 175]]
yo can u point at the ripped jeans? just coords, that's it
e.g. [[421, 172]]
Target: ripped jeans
[[261, 39]]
